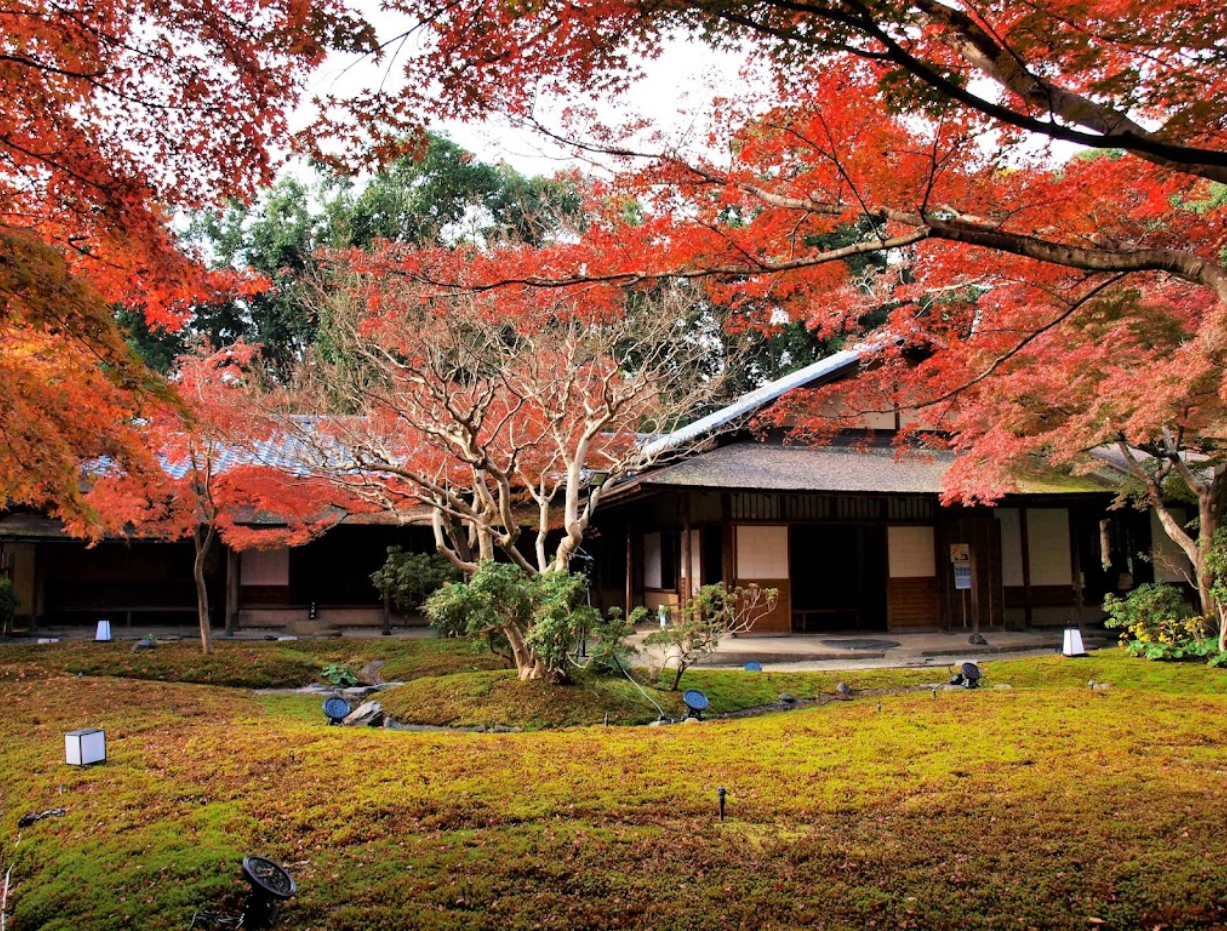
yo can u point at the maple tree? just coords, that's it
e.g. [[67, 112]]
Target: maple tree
[[211, 476], [1036, 303], [113, 115], [507, 414]]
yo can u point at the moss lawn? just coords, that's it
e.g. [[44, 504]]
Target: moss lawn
[[1045, 805]]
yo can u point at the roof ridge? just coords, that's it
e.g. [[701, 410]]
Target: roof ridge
[[751, 400]]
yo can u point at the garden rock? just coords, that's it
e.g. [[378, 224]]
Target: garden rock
[[358, 693], [315, 688], [369, 674], [143, 646], [843, 692], [977, 640], [788, 698], [368, 714]]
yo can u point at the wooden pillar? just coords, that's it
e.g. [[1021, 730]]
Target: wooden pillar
[[941, 562], [630, 566], [232, 590], [684, 586], [1024, 543], [36, 593], [975, 579], [1075, 563], [728, 543], [6, 572], [990, 555]]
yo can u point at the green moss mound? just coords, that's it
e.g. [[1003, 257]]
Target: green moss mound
[[500, 699], [233, 663], [243, 663], [404, 659]]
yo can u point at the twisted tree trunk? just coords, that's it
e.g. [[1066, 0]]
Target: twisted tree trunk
[[204, 543]]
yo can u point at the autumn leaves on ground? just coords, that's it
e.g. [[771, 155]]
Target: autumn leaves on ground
[[1044, 805]]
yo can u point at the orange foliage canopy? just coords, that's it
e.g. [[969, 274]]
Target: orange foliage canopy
[[218, 469], [112, 115], [1059, 302], [1135, 75], [1036, 304]]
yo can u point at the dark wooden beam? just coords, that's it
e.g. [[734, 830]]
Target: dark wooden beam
[[232, 590], [1024, 543]]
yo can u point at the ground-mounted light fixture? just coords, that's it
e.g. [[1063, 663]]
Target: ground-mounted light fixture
[[696, 703], [968, 676], [104, 631], [336, 710], [84, 747], [1072, 645], [270, 885]]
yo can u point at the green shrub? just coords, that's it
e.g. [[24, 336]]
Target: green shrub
[[408, 579], [339, 675], [711, 614], [1158, 624], [548, 612], [608, 651]]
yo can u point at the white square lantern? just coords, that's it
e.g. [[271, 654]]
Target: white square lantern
[[81, 748], [104, 631], [1073, 643]]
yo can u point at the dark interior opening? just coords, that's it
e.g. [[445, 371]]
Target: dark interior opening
[[838, 574], [712, 553], [336, 569]]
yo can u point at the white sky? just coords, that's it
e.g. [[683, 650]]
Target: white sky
[[676, 90], [681, 81]]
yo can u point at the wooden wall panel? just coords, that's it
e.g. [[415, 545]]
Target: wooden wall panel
[[1041, 595], [778, 621], [912, 603], [910, 552], [265, 568], [255, 595]]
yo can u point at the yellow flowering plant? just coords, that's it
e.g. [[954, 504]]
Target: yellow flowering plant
[[1157, 622]]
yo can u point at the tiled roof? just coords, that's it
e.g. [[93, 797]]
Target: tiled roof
[[289, 450], [769, 467]]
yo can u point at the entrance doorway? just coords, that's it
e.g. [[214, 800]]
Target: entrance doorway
[[838, 577]]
